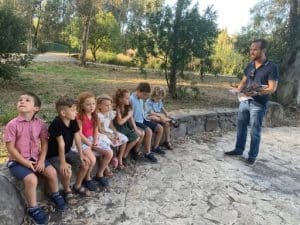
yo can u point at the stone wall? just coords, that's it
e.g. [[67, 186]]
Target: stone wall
[[191, 121]]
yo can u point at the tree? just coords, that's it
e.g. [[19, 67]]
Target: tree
[[13, 37], [104, 33], [226, 59], [177, 37], [289, 86], [85, 10]]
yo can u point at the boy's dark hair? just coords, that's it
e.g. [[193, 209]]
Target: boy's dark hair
[[263, 43], [36, 99], [64, 101], [144, 87]]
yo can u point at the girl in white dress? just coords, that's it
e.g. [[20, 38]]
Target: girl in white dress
[[108, 132]]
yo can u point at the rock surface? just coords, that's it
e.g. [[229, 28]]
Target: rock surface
[[196, 184]]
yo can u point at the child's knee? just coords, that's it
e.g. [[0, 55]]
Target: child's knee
[[50, 172], [31, 180], [148, 132], [159, 128], [109, 154], [92, 161]]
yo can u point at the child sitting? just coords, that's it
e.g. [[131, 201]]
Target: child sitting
[[155, 111], [62, 131], [26, 139], [137, 101], [88, 122], [125, 124], [107, 129]]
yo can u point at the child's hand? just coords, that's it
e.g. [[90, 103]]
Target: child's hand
[[31, 165], [40, 166], [65, 168]]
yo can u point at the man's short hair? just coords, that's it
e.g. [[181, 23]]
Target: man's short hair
[[144, 87], [263, 43], [64, 101]]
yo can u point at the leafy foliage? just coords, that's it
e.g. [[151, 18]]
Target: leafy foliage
[[12, 36], [104, 33], [176, 37], [225, 59]]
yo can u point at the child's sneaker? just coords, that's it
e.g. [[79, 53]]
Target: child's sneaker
[[168, 145], [150, 157], [102, 181], [58, 200], [134, 154], [159, 151], [89, 184], [38, 215]]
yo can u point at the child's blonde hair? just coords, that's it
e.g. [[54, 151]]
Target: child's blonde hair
[[158, 91], [103, 97]]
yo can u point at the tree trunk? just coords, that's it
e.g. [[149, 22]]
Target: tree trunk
[[29, 32], [172, 82], [85, 38], [288, 92]]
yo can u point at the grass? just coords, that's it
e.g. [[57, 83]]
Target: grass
[[50, 80]]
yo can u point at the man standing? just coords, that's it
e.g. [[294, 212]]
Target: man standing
[[259, 81]]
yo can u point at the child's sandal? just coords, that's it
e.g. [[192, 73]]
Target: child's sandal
[[121, 166], [82, 191], [108, 173], [70, 198]]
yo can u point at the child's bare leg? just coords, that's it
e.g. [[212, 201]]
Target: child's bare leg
[[30, 184], [147, 140], [92, 160], [158, 134], [103, 163], [129, 146], [121, 154], [83, 170], [51, 176], [167, 131]]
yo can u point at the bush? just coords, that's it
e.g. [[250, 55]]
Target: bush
[[6, 117]]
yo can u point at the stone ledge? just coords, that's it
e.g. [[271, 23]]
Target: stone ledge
[[191, 121]]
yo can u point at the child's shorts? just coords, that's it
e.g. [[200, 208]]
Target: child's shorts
[[151, 124], [19, 171], [71, 157]]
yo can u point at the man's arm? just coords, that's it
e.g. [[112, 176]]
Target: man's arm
[[272, 87], [241, 85]]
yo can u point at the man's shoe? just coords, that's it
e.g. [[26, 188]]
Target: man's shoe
[[232, 153], [150, 157], [159, 151], [251, 161]]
